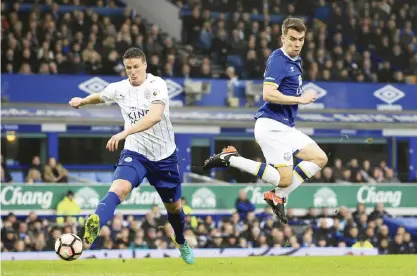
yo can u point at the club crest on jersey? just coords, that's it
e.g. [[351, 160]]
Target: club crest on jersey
[[287, 156], [155, 93], [128, 159]]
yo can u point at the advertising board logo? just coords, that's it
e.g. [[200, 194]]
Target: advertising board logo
[[325, 197], [174, 89], [93, 85], [13, 197], [370, 195], [203, 198], [389, 94], [87, 198], [320, 94]]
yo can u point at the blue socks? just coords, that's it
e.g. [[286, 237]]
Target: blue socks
[[177, 222], [106, 207]]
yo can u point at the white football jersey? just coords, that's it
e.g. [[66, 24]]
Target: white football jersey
[[158, 142]]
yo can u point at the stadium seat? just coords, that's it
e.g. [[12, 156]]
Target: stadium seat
[[88, 176], [18, 177], [105, 177]]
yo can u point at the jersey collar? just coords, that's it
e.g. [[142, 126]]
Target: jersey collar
[[285, 54]]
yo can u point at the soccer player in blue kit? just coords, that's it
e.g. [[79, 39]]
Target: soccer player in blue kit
[[275, 129], [149, 150]]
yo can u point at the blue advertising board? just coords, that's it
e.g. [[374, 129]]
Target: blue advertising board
[[59, 89]]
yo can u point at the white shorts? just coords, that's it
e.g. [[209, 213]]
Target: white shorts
[[279, 142]]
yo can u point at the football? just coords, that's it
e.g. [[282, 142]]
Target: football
[[69, 247]]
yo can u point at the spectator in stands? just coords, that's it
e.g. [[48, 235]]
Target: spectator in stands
[[33, 176], [390, 176], [346, 176], [243, 205], [362, 242], [328, 176], [35, 165], [360, 210], [338, 169], [379, 212], [54, 172], [188, 212], [6, 177], [68, 207], [397, 245], [411, 246]]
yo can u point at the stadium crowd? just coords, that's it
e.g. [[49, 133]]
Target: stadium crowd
[[247, 230], [350, 172], [362, 41], [373, 40]]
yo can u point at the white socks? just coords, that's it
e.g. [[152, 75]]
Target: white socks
[[261, 170], [305, 170]]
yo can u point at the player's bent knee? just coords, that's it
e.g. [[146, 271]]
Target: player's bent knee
[[322, 160], [121, 187], [285, 181], [285, 176]]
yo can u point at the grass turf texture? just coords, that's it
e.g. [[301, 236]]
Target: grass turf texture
[[253, 266]]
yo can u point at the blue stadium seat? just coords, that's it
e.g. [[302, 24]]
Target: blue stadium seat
[[18, 177], [88, 176], [74, 174], [105, 177]]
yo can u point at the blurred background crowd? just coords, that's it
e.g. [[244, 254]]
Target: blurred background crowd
[[347, 40], [242, 229]]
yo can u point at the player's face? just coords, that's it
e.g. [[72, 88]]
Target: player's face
[[293, 42], [135, 70]]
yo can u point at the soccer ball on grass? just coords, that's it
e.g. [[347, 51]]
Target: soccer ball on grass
[[69, 247]]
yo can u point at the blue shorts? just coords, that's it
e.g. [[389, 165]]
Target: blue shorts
[[163, 174]]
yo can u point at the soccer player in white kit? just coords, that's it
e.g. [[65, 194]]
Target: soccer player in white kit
[[149, 151], [275, 129]]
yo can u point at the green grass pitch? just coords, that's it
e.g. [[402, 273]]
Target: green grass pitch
[[254, 266]]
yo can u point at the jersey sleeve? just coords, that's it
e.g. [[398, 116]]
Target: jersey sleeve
[[274, 72], [108, 95], [159, 92]]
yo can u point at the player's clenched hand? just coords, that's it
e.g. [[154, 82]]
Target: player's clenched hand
[[308, 96], [113, 142], [76, 102]]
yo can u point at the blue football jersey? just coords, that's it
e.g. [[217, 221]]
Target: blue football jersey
[[285, 73]]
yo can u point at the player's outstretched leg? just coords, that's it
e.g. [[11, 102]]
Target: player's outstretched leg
[[229, 157], [105, 209], [221, 160]]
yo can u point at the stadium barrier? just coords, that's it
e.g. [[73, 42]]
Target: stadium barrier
[[398, 199], [199, 253]]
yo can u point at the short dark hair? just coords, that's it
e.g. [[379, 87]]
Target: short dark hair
[[293, 23], [134, 53]]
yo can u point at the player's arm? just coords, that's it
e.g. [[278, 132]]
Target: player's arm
[[274, 74], [154, 116], [107, 95], [92, 99], [271, 94]]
